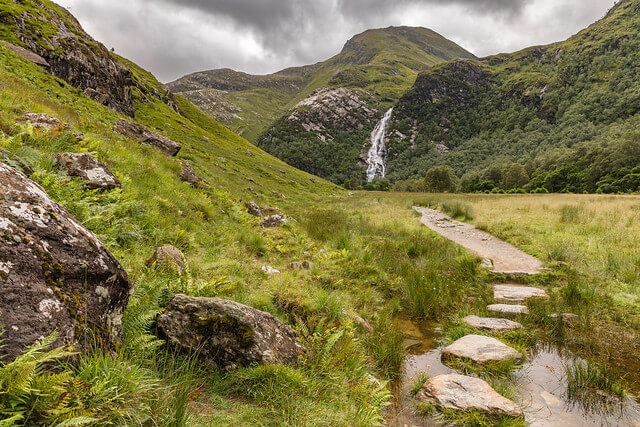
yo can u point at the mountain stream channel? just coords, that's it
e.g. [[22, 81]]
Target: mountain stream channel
[[540, 382]]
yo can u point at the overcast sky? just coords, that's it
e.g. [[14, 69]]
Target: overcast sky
[[172, 38]]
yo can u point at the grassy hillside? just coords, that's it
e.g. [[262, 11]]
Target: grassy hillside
[[384, 62], [355, 270], [564, 115]]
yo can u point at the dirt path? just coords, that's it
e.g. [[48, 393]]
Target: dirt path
[[506, 258]]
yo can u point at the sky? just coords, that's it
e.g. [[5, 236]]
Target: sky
[[172, 38]]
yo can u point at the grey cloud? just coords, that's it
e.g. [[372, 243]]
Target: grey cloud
[[175, 37]]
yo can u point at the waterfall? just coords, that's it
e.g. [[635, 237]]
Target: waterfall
[[378, 152]]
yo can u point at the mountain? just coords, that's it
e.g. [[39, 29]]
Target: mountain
[[384, 62], [560, 117]]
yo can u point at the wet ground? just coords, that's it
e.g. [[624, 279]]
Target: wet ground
[[540, 386]]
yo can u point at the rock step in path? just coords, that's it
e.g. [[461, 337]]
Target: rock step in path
[[481, 349], [491, 324], [464, 393]]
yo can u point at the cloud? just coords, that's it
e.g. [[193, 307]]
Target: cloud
[[175, 37]]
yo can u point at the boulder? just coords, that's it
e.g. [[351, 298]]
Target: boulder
[[167, 256], [189, 175], [145, 136], [55, 275], [517, 293], [569, 319], [254, 209], [297, 265], [481, 349], [274, 221], [491, 324], [26, 54], [463, 393], [508, 308], [44, 121], [226, 334], [270, 270], [88, 168]]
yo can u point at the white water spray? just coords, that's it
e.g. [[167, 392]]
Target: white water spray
[[377, 155]]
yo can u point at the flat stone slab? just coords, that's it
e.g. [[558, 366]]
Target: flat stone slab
[[517, 293], [508, 308], [481, 349], [464, 393], [491, 324], [505, 258]]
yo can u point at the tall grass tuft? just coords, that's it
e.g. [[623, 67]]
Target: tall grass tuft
[[590, 384], [457, 209], [571, 214]]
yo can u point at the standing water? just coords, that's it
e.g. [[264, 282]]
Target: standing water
[[378, 152]]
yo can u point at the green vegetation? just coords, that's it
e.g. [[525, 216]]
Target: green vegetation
[[556, 118]]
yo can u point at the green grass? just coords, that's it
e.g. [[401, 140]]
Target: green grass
[[593, 386]]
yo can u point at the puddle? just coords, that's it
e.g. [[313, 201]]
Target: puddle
[[541, 390], [540, 386]]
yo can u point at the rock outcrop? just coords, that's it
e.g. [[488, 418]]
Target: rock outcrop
[[334, 108], [254, 209], [167, 256], [187, 174], [71, 54], [90, 169], [145, 136], [460, 392], [226, 334], [274, 221], [44, 121], [55, 275]]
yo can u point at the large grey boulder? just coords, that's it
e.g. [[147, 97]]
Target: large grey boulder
[[90, 169], [54, 273], [491, 324], [226, 334], [145, 136], [481, 349], [463, 393], [517, 293]]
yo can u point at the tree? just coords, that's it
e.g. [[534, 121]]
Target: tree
[[514, 176], [441, 179]]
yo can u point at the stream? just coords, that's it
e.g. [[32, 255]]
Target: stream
[[540, 385]]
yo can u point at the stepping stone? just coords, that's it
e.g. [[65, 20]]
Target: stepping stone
[[491, 324], [517, 293], [508, 308], [464, 393], [480, 349]]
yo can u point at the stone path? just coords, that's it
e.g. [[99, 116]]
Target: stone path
[[506, 258], [516, 293]]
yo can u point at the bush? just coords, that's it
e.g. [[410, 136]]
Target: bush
[[441, 179]]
